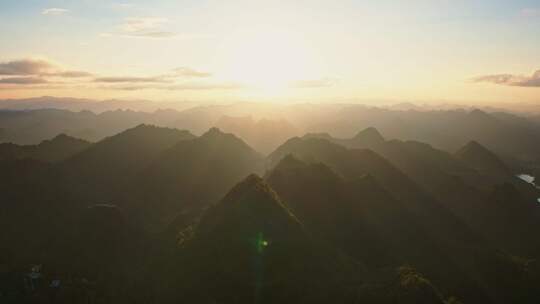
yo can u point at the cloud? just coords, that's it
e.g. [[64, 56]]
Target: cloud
[[206, 86], [54, 11], [138, 24], [143, 27], [71, 74], [189, 72], [190, 86], [157, 79], [28, 72], [182, 72], [38, 67], [24, 67], [511, 80], [23, 80]]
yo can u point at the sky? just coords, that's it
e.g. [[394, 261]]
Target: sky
[[322, 51]]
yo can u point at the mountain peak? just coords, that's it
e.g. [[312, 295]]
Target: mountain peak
[[125, 153], [251, 205], [481, 158], [477, 112], [322, 135], [143, 126], [214, 136], [252, 180], [289, 161], [64, 138], [472, 147], [369, 136], [481, 115], [252, 225], [251, 184], [150, 131], [291, 170], [214, 131]]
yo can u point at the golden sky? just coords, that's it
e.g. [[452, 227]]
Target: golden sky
[[418, 50]]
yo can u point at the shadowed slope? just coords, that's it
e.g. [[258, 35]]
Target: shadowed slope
[[193, 174], [103, 171], [480, 158], [450, 233], [249, 248]]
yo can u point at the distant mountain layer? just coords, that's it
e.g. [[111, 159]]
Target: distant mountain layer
[[266, 126]]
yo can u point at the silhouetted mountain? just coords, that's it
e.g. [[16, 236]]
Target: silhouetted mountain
[[462, 189], [133, 218], [249, 248], [352, 213], [368, 137], [351, 163], [364, 139], [57, 149], [194, 173], [510, 136], [32, 127], [447, 130], [318, 135], [483, 160], [449, 232], [106, 167]]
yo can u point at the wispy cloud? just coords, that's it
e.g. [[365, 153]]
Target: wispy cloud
[[70, 74], [37, 67], [206, 86], [44, 74], [23, 80], [131, 79], [511, 80], [54, 11], [175, 74], [24, 67], [189, 72], [143, 27], [140, 24], [187, 86]]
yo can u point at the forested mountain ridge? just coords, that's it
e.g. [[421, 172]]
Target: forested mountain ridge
[[156, 215]]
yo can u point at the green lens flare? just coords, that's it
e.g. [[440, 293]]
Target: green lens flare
[[260, 242]]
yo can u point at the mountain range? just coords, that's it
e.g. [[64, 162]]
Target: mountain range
[[156, 214]]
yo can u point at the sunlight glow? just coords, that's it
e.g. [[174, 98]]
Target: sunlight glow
[[267, 61]]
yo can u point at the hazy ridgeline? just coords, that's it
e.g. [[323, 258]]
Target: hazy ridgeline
[[253, 203]]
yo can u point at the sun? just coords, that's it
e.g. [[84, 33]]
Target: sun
[[267, 61]]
